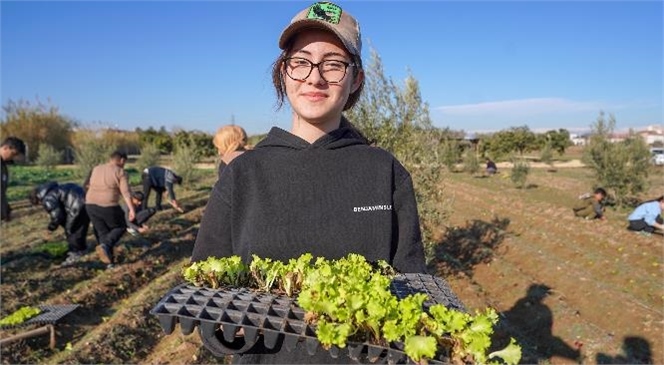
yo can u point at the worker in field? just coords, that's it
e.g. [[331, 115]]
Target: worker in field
[[138, 224], [10, 149], [647, 217], [231, 141], [107, 183], [160, 179], [591, 206], [491, 167], [65, 204]]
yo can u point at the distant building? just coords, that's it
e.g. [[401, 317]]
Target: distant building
[[652, 134], [618, 137], [578, 139]]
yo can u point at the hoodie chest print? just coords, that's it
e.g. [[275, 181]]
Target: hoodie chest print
[[372, 208]]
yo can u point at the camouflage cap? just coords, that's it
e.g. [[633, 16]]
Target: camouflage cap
[[328, 16]]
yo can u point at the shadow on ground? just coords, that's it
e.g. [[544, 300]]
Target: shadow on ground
[[462, 248], [530, 322], [636, 350]]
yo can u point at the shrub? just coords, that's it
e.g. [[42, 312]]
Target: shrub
[[450, 154], [36, 123], [48, 157], [520, 171], [184, 160], [149, 157], [90, 151], [620, 167], [397, 119], [546, 155], [471, 164]]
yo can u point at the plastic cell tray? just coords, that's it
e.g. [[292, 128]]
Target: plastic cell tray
[[277, 320], [50, 314]]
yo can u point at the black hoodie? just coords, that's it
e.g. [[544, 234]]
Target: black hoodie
[[330, 198]]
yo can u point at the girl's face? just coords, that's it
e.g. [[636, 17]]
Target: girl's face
[[314, 100]]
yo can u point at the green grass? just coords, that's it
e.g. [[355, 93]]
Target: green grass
[[54, 249], [22, 179]]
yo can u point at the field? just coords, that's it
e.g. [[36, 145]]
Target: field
[[569, 290]]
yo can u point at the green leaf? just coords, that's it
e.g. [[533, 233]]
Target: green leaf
[[511, 354], [418, 347], [21, 315]]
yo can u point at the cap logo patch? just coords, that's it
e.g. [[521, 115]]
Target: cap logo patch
[[326, 12]]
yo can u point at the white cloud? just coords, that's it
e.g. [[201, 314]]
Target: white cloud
[[522, 107]]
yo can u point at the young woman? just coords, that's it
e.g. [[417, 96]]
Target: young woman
[[231, 141], [318, 188]]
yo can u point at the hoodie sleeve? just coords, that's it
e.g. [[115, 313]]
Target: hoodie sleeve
[[169, 178], [214, 234], [409, 253], [55, 211]]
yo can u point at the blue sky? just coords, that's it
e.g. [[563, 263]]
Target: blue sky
[[199, 65]]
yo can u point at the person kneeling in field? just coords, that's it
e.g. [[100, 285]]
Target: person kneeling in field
[[647, 217], [137, 225], [65, 203], [591, 206]]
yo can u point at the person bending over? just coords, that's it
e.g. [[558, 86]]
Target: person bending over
[[65, 204], [137, 225], [647, 217], [107, 183], [160, 179]]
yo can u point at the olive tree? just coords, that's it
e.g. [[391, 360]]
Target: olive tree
[[397, 119], [619, 167]]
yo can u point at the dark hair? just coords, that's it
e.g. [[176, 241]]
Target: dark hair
[[15, 144], [600, 191], [178, 179], [137, 195], [280, 85], [117, 155]]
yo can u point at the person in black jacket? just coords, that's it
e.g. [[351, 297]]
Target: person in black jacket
[[138, 225], [160, 179], [65, 203], [10, 148], [320, 187]]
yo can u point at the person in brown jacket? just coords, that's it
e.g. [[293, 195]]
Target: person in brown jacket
[[105, 185]]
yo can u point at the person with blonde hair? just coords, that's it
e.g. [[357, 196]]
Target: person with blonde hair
[[231, 141]]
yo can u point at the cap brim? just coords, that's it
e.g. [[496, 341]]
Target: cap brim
[[300, 25]]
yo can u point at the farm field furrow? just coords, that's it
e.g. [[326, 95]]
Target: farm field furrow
[[606, 282]]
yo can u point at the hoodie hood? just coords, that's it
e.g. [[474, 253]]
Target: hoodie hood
[[45, 188], [344, 136]]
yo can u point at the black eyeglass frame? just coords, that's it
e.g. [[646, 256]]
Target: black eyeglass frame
[[317, 65]]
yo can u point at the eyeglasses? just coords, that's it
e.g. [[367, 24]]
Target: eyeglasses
[[332, 71]]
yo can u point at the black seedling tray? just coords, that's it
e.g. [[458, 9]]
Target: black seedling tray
[[50, 314], [279, 319]]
